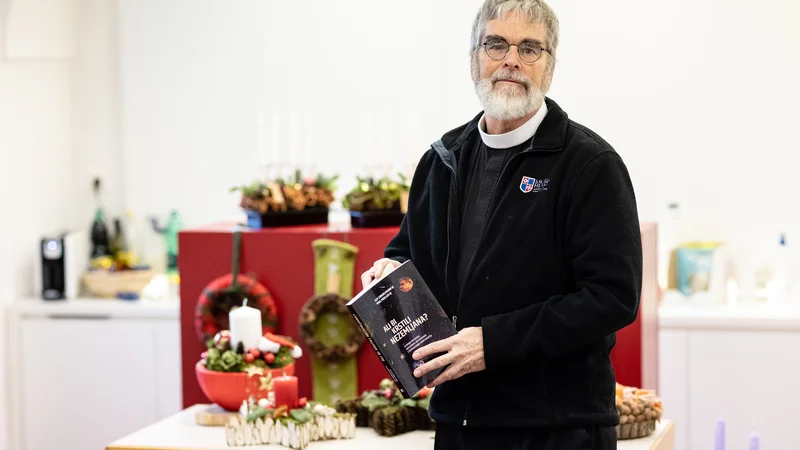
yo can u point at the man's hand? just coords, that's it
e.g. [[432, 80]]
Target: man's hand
[[464, 355], [377, 269]]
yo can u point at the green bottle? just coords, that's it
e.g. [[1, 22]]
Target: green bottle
[[170, 232]]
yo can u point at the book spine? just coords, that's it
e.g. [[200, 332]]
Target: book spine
[[379, 352]]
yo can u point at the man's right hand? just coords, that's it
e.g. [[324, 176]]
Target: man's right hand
[[377, 270]]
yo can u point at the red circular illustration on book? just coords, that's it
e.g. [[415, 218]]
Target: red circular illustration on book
[[406, 284]]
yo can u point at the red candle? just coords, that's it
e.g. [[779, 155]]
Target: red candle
[[285, 391]]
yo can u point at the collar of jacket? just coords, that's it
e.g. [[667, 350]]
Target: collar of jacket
[[549, 137]]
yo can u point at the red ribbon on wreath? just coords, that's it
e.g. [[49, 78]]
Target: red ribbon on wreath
[[228, 292]]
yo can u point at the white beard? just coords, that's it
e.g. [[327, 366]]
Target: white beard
[[508, 102]]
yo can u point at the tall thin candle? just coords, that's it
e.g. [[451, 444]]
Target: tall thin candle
[[719, 436]]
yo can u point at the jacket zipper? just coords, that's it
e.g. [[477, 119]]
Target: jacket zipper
[[450, 206]]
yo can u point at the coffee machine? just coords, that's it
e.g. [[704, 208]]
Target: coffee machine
[[61, 260]]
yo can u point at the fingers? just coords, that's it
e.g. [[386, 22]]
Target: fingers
[[380, 266], [367, 277], [451, 373], [436, 347], [436, 363]]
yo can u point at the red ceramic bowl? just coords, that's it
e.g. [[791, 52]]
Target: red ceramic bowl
[[230, 389]]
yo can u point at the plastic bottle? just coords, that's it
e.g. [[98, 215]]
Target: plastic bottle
[[669, 235]]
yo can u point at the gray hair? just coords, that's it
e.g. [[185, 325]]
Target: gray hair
[[537, 10]]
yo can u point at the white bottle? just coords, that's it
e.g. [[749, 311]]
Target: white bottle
[[669, 235]]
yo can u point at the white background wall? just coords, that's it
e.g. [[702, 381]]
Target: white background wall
[[36, 154], [160, 98], [697, 96]]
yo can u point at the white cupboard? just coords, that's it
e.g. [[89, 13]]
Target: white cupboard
[[84, 372], [741, 364]]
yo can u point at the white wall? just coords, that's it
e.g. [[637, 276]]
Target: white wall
[[35, 161], [697, 96]]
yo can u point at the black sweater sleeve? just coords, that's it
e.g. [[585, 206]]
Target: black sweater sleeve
[[604, 246]]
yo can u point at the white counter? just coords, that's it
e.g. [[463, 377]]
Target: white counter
[[97, 308], [180, 432]]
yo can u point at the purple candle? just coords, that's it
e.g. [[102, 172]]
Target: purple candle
[[719, 437], [754, 441]]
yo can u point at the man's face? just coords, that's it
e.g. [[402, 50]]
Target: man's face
[[511, 87]]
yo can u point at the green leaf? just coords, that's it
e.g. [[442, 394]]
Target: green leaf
[[301, 415], [372, 402], [408, 402]]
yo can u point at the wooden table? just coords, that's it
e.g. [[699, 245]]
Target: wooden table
[[180, 432]]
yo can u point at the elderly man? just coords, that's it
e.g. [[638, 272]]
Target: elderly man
[[524, 224]]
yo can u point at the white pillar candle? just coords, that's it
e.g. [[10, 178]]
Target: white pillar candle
[[245, 325]]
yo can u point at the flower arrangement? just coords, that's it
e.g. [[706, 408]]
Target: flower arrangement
[[381, 202], [387, 412], [286, 195], [258, 424], [272, 352], [376, 195]]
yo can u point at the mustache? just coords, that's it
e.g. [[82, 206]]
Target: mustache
[[507, 75]]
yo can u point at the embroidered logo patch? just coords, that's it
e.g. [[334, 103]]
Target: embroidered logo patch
[[529, 184]]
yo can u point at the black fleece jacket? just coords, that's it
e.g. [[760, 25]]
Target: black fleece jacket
[[557, 272]]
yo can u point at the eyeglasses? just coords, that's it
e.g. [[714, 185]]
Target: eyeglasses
[[529, 51]]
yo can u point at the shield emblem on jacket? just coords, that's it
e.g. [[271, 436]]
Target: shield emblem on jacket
[[527, 184]]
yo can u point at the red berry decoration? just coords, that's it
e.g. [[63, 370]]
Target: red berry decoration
[[388, 393], [423, 393], [248, 357], [302, 402], [269, 358], [254, 352]]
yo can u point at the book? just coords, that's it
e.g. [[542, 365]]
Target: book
[[398, 313]]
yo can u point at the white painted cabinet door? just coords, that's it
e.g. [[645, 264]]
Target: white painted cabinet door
[[169, 398], [750, 378], [673, 385], [85, 382]]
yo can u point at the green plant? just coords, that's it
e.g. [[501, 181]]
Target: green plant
[[374, 195]]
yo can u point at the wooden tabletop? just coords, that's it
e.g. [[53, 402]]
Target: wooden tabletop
[[181, 432]]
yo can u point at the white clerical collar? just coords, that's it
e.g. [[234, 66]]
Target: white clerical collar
[[514, 137]]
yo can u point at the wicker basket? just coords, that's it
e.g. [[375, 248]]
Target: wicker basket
[[636, 430], [105, 284]]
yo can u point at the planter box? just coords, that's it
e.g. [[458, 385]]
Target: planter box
[[368, 219], [308, 216]]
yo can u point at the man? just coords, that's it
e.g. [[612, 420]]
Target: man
[[524, 225]]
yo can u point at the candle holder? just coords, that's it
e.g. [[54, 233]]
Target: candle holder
[[229, 375]]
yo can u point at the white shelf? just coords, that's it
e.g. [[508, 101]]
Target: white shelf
[[97, 308]]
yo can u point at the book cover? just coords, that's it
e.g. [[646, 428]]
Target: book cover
[[399, 314]]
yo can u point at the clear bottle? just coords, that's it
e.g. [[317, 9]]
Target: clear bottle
[[669, 236]]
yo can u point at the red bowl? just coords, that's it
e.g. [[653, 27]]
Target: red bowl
[[230, 389]]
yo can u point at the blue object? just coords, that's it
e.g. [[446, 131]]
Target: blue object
[[694, 269], [128, 295], [253, 219]]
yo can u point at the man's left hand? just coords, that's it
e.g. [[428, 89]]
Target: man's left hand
[[464, 354]]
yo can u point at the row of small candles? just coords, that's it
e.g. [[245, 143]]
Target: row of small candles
[[245, 327]]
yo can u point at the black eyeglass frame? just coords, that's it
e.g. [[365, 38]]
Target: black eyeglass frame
[[508, 49]]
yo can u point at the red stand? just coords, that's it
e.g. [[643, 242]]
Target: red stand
[[283, 261]]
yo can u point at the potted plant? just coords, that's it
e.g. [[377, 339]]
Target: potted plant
[[282, 202], [374, 203]]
